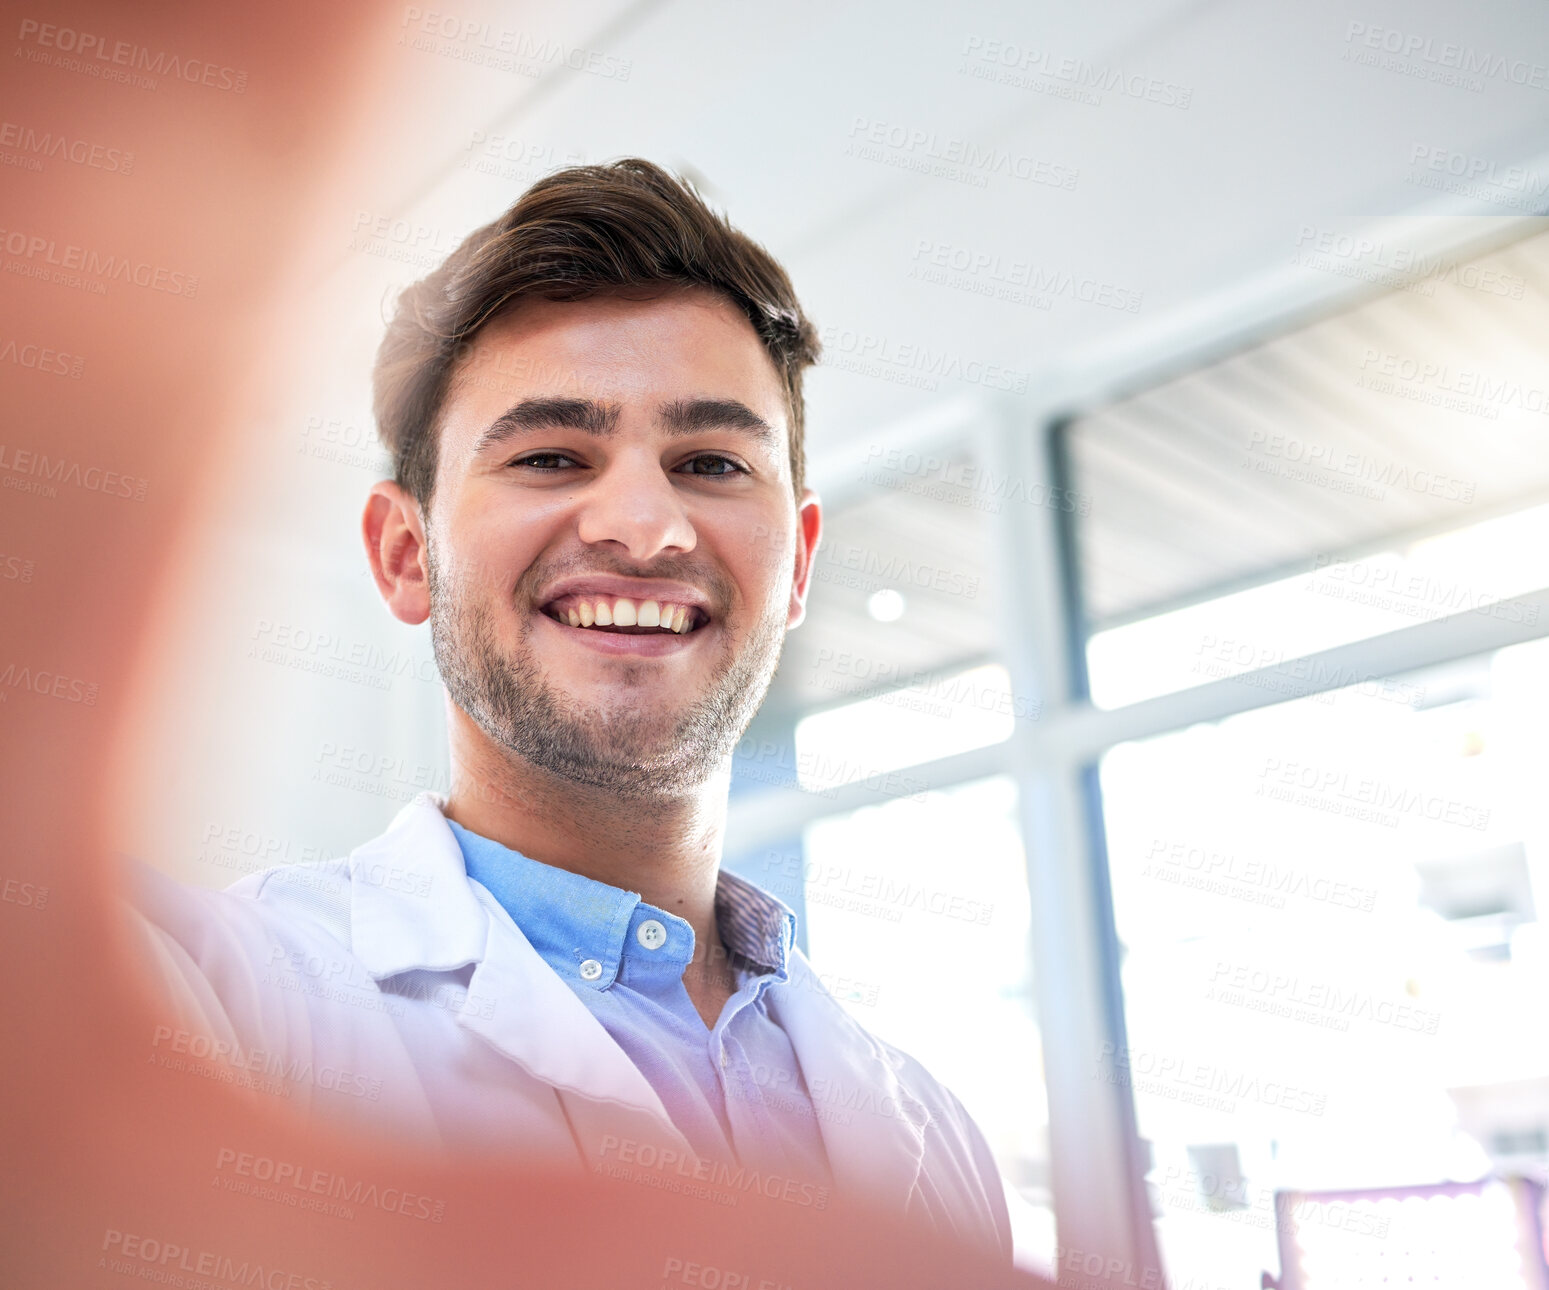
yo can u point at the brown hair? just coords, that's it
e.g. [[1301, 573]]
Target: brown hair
[[577, 233]]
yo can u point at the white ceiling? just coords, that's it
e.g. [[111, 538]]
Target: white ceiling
[[1177, 205]]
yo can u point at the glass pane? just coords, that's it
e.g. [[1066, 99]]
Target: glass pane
[[908, 726], [1332, 957], [918, 917]]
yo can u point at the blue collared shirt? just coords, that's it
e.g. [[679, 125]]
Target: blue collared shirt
[[734, 1090]]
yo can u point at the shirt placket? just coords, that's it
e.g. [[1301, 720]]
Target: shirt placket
[[747, 1112]]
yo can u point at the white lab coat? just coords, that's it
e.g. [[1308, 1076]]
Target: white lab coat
[[389, 990]]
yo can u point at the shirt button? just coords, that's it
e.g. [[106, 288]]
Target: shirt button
[[725, 1058], [651, 934], [591, 969]]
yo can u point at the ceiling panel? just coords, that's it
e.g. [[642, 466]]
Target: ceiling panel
[[1419, 409]]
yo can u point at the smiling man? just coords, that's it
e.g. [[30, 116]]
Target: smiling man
[[595, 412]]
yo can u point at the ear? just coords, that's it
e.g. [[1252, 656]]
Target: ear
[[394, 532], [809, 530]]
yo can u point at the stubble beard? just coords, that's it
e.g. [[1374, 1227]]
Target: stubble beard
[[658, 753]]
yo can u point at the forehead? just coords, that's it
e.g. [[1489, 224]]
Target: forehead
[[614, 348]]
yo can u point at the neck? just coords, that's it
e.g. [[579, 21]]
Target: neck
[[667, 849]]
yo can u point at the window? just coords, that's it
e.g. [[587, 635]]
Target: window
[[1329, 913], [1327, 868], [917, 914]]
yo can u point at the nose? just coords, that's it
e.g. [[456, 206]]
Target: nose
[[632, 502]]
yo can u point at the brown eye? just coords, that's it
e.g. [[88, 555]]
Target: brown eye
[[716, 464], [545, 461]]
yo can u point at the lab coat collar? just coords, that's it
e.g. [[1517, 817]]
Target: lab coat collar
[[412, 907]]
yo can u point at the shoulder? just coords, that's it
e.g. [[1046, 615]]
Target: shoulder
[[300, 903], [283, 906], [256, 949], [260, 984], [316, 895], [183, 909]]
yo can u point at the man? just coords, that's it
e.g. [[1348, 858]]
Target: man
[[595, 411]]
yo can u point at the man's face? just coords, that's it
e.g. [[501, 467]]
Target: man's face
[[605, 464]]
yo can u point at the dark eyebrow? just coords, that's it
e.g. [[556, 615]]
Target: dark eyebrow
[[681, 416], [550, 414], [687, 416]]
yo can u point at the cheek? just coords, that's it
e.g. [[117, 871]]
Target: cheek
[[762, 550], [495, 551], [765, 570]]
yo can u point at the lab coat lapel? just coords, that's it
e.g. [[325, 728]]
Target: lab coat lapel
[[870, 1124], [517, 1003], [413, 907]]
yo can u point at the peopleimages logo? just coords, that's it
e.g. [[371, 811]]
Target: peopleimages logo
[[150, 1258], [1374, 259], [1008, 63], [44, 257], [1182, 1078], [1414, 594], [1331, 1005], [952, 156], [1484, 170], [990, 274], [1287, 455], [48, 683], [1336, 783], [311, 1182], [853, 350], [41, 358], [193, 1053], [709, 1276], [120, 60], [1263, 882], [1474, 389], [827, 881], [60, 147], [1409, 49], [669, 1169], [887, 568], [503, 48]]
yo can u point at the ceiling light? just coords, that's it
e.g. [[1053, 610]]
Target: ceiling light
[[886, 606]]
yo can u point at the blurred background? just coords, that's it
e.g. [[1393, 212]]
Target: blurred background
[[1162, 758]]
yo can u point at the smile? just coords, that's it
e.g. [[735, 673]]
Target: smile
[[622, 615]]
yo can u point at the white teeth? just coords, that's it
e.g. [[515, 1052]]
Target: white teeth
[[623, 612]]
